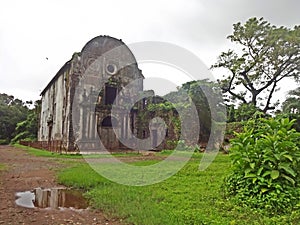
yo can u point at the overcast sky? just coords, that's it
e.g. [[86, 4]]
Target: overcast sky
[[33, 31]]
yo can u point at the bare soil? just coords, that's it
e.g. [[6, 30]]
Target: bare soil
[[25, 172]]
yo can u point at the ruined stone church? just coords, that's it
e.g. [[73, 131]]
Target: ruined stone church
[[77, 103]]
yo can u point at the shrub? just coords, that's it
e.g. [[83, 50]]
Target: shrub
[[4, 141], [182, 145], [266, 162], [25, 136]]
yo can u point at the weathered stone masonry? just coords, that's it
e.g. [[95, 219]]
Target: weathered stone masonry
[[57, 98], [104, 64]]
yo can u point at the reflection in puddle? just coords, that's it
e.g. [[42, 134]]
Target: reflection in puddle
[[25, 199], [51, 198]]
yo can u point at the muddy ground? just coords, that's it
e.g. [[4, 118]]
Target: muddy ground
[[25, 172]]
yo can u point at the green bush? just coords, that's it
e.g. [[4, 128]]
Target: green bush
[[24, 136], [181, 145], [4, 141], [266, 162]]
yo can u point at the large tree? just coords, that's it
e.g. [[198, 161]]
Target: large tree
[[265, 56]]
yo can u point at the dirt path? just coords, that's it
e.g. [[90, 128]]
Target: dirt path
[[25, 172]]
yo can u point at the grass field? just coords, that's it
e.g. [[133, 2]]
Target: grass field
[[189, 197]]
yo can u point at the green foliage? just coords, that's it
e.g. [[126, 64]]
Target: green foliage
[[17, 121], [198, 93], [78, 177], [268, 55], [181, 145], [193, 93], [28, 128], [4, 141], [25, 136], [291, 107], [292, 102], [12, 111], [164, 106], [266, 163], [297, 123], [292, 116], [243, 112], [246, 111], [189, 197]]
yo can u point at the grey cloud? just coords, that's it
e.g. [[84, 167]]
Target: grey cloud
[[199, 25]]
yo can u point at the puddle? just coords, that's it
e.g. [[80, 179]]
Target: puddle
[[54, 198]]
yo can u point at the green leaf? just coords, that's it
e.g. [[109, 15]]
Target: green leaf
[[289, 179], [250, 175], [246, 159], [277, 156], [259, 171], [266, 173], [270, 159], [274, 174], [288, 169], [252, 165], [288, 157], [263, 190], [247, 171]]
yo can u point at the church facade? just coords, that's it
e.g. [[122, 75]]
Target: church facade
[[77, 103]]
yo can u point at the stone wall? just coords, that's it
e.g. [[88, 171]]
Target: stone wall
[[53, 108], [77, 101]]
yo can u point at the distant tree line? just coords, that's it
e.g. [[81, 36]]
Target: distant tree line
[[18, 120]]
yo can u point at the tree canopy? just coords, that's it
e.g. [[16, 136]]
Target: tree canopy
[[16, 118], [12, 111], [267, 55], [201, 92]]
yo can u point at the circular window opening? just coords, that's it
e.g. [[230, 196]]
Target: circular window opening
[[111, 68]]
